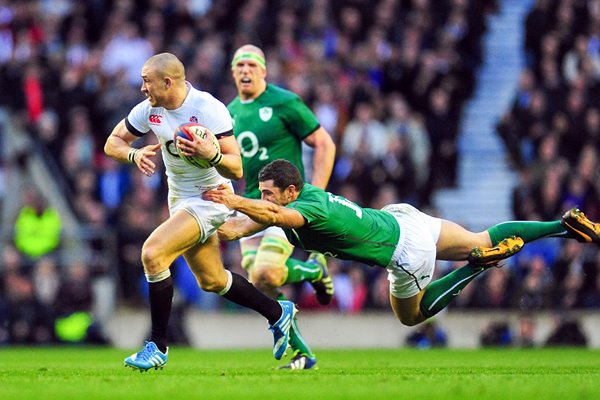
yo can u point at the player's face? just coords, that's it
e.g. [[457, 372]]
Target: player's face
[[249, 79], [273, 194], [153, 87]]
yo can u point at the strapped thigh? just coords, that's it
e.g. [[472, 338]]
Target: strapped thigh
[[273, 251]]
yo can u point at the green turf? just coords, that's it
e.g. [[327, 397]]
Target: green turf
[[97, 373]]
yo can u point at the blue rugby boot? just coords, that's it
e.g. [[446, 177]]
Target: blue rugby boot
[[149, 357], [281, 328], [301, 361]]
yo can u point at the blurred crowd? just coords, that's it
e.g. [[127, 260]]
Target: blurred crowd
[[552, 138], [387, 79]]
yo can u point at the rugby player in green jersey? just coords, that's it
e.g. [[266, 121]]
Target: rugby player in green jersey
[[272, 123], [398, 237]]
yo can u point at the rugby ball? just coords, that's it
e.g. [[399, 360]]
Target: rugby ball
[[186, 131]]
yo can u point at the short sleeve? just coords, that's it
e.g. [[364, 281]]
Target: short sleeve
[[298, 118], [138, 119], [217, 118], [309, 212]]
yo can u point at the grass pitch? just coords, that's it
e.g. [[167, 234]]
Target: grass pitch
[[97, 373]]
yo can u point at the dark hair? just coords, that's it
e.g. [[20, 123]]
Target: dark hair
[[283, 174]]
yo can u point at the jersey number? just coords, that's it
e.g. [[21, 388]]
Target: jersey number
[[254, 148], [344, 202]]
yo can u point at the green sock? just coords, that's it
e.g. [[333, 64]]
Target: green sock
[[527, 230], [442, 291], [296, 341], [300, 271]]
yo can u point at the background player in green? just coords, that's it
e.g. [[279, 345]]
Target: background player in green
[[271, 123], [399, 237]]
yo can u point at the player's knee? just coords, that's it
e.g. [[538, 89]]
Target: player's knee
[[409, 321], [269, 268], [152, 258], [211, 283], [210, 286], [268, 276]]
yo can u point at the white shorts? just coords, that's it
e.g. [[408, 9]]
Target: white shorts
[[210, 216], [411, 268]]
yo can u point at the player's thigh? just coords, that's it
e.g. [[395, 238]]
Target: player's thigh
[[455, 242], [204, 259], [170, 239], [407, 310]]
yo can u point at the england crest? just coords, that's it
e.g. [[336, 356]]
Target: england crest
[[265, 113]]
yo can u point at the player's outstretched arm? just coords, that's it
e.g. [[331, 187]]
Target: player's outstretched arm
[[262, 212], [238, 227], [118, 147]]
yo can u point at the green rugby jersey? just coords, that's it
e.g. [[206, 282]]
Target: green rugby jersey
[[270, 127], [340, 228]]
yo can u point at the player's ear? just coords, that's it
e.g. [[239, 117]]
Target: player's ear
[[291, 191], [168, 83]]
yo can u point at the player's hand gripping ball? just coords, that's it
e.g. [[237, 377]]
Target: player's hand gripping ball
[[186, 131]]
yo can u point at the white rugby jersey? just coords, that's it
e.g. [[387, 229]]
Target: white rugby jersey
[[198, 107]]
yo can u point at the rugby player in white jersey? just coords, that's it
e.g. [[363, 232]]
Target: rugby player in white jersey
[[191, 227]]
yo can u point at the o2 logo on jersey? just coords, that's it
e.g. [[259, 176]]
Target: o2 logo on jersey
[[155, 119], [249, 146]]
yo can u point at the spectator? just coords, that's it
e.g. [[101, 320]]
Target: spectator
[[566, 332], [496, 334], [379, 293], [426, 336], [592, 126], [511, 126], [589, 289], [567, 276], [25, 319], [126, 50], [359, 289], [113, 185], [365, 134], [494, 290], [443, 130], [46, 281], [536, 285], [75, 322], [408, 126], [395, 171], [38, 226], [527, 330], [577, 57], [574, 138]]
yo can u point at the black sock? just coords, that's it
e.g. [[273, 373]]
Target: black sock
[[245, 294], [161, 299]]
